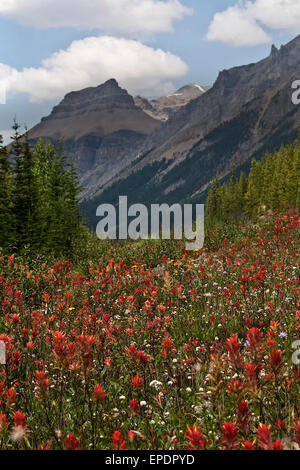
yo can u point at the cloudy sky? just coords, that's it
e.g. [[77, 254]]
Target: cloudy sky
[[51, 47]]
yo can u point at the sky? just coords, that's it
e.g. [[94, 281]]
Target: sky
[[151, 47]]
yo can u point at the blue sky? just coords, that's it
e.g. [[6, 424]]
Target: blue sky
[[121, 38]]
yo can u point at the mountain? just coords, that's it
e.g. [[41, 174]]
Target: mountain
[[101, 127], [170, 149], [166, 106], [247, 112], [104, 127]]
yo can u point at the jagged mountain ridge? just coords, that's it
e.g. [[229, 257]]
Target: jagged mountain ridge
[[248, 111], [103, 128]]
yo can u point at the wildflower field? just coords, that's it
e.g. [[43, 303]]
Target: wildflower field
[[146, 346]]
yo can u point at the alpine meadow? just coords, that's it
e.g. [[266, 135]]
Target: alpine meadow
[[164, 328]]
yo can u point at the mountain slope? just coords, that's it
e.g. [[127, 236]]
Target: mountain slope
[[165, 107], [101, 127], [247, 111]]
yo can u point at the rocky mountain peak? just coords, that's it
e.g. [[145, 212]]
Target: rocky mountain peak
[[165, 107], [252, 80], [110, 90], [107, 96], [274, 50]]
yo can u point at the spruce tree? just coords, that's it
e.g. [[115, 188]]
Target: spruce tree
[[6, 209], [25, 201], [214, 203]]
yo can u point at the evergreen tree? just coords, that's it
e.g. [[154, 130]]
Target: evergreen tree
[[25, 200], [214, 202], [58, 191], [6, 209], [273, 183]]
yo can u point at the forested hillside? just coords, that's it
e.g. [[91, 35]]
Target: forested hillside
[[273, 183]]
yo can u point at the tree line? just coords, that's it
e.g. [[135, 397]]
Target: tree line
[[39, 192], [273, 183]]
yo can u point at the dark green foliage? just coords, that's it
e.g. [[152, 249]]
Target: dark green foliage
[[273, 183], [58, 190], [7, 220], [38, 199], [25, 196]]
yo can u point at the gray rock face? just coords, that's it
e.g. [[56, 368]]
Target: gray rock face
[[167, 106], [169, 149], [101, 127], [232, 90], [104, 97], [247, 112]]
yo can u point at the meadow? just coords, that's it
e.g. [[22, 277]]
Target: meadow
[[144, 345]]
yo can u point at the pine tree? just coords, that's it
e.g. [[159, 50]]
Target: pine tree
[[253, 194], [6, 209], [273, 183], [58, 191], [214, 203], [25, 200]]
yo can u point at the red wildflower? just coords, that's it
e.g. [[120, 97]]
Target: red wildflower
[[275, 359], [137, 383], [243, 416], [47, 446], [16, 357], [235, 387], [134, 405], [72, 442], [117, 441], [243, 408], [168, 346], [264, 437], [280, 424], [99, 393], [248, 445], [195, 438], [20, 419], [251, 374], [131, 436], [233, 348], [255, 340], [229, 436], [277, 445], [131, 352], [11, 395], [143, 358]]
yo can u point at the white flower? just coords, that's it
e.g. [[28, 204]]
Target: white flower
[[156, 384]]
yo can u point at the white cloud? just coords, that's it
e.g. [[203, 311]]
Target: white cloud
[[125, 16], [243, 24], [90, 62], [234, 26]]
